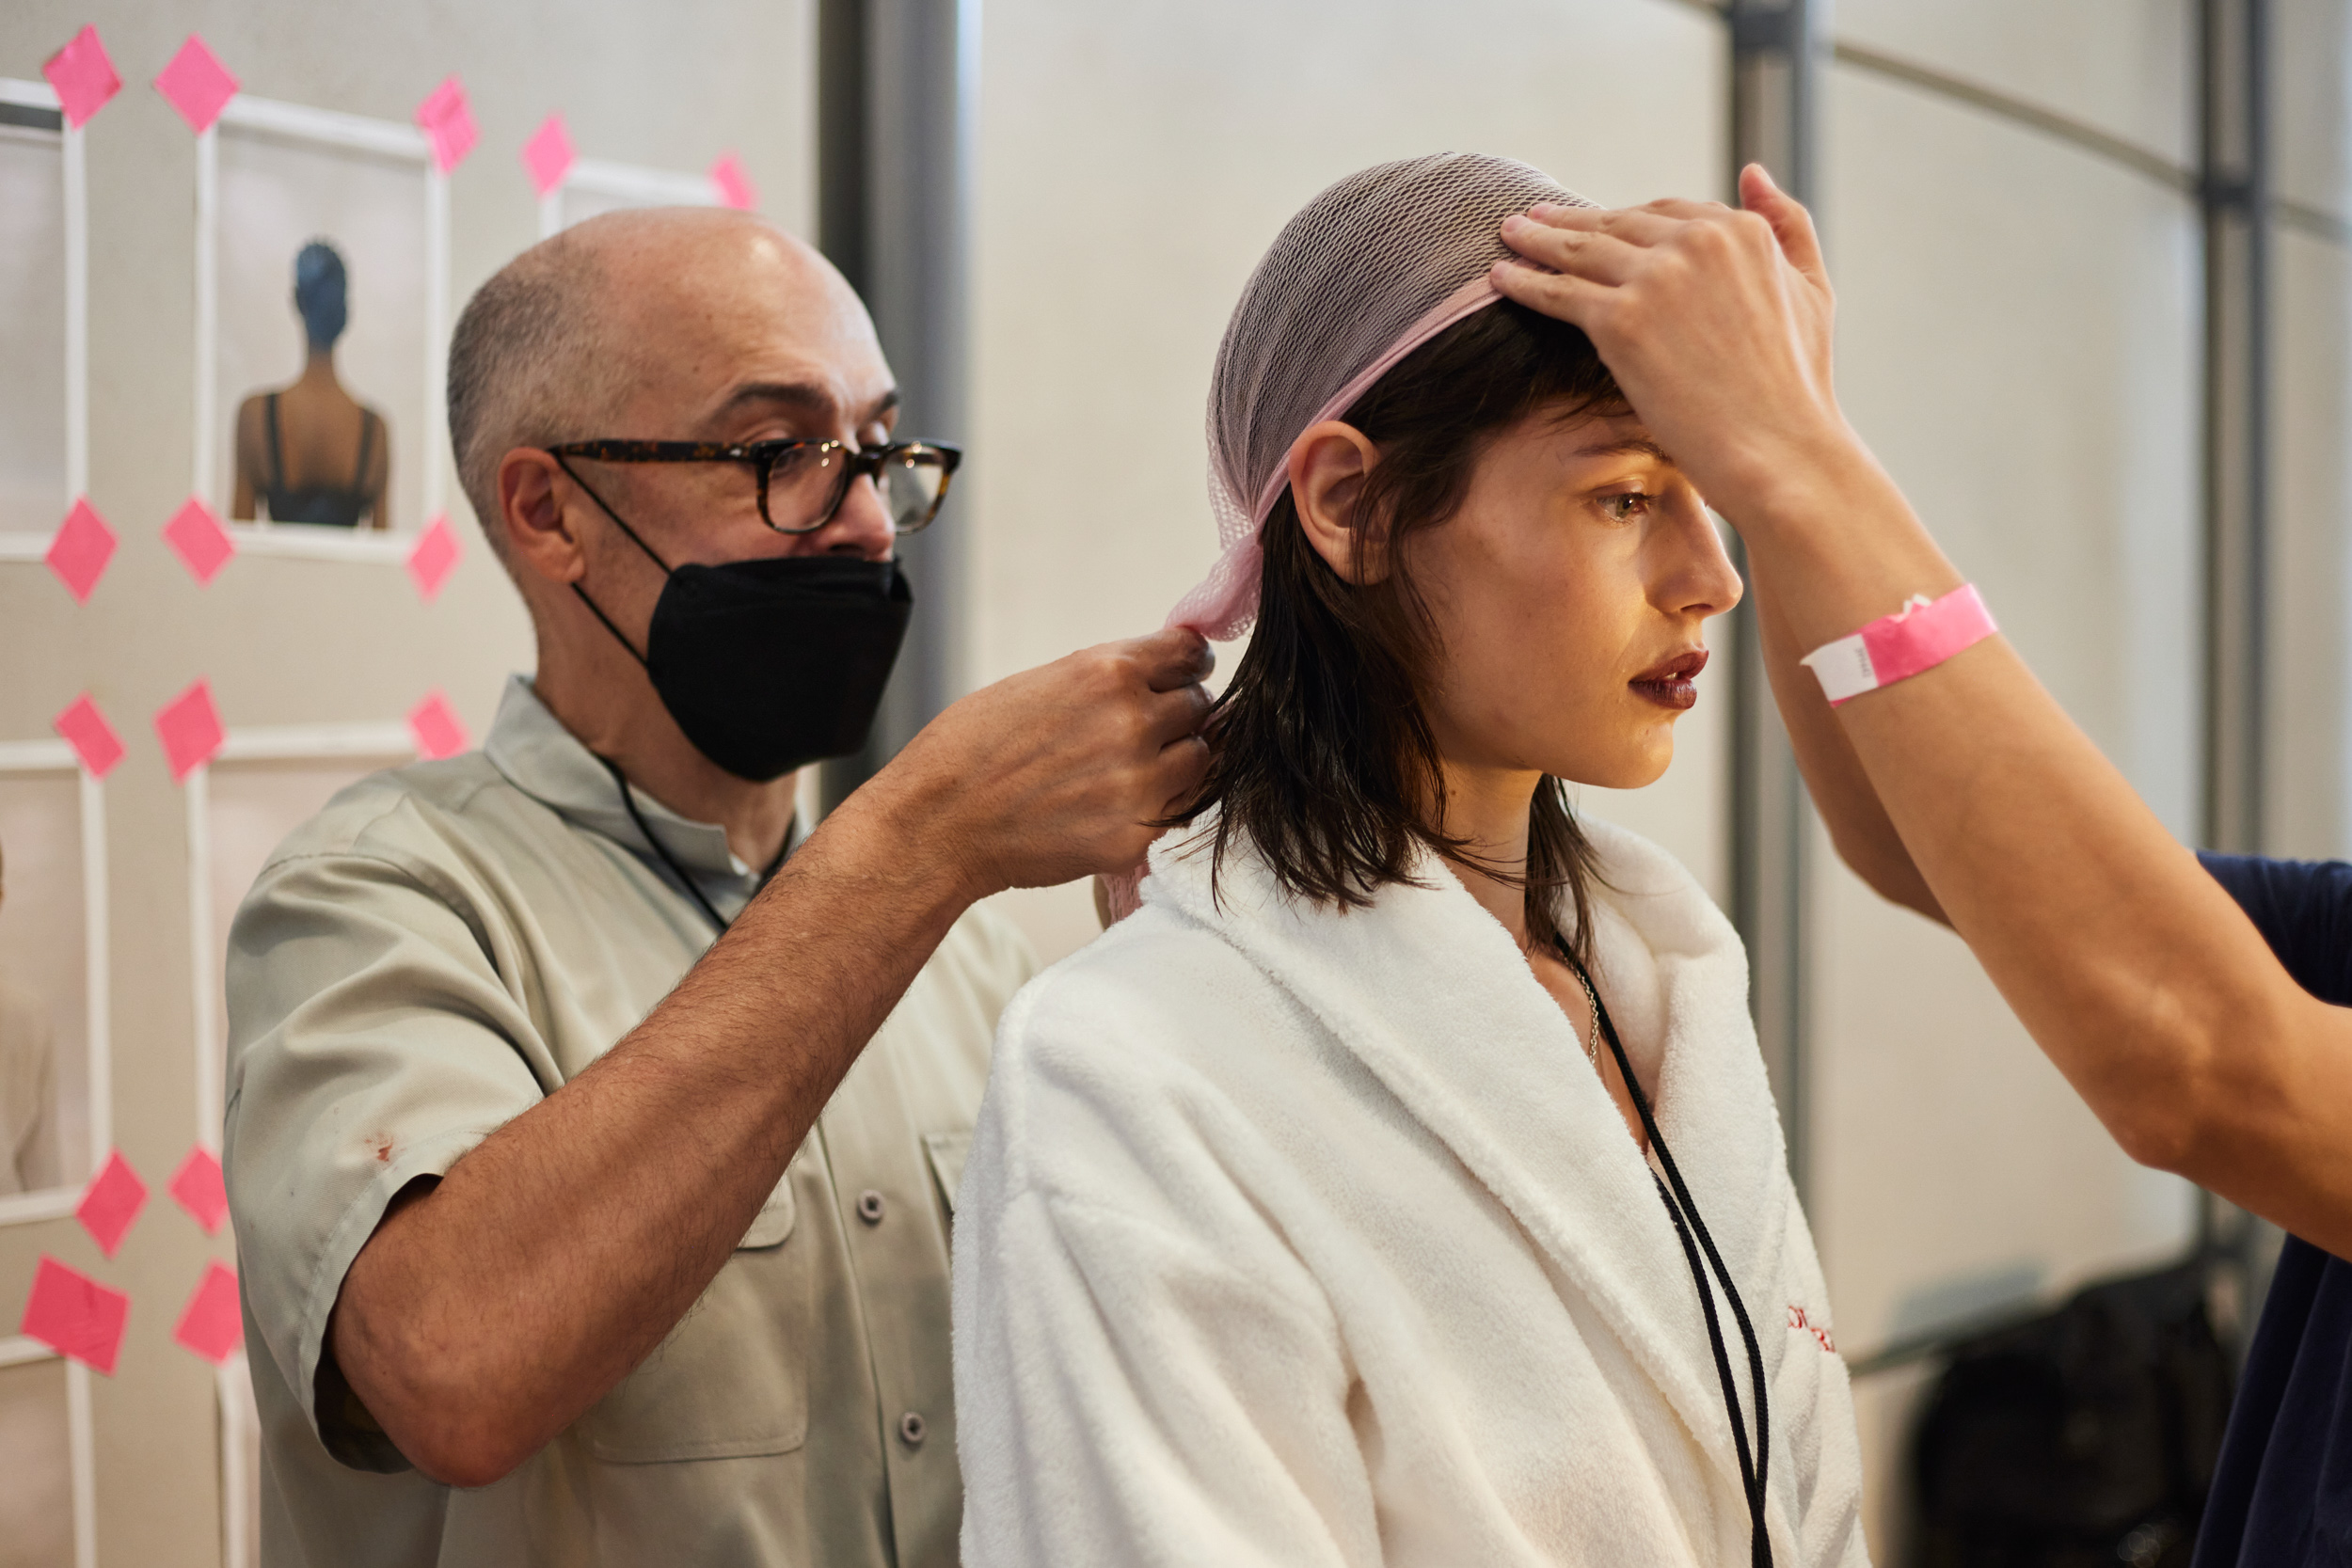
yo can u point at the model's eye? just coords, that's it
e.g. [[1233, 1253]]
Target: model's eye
[[1625, 508]]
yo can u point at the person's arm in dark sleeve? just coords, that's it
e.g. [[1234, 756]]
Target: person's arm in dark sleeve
[[2303, 909]]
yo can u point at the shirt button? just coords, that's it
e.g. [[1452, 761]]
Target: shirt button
[[869, 1207], [911, 1429]]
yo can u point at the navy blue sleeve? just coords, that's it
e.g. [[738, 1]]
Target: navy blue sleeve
[[2303, 909]]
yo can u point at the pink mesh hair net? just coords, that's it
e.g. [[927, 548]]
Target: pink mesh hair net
[[1367, 271]]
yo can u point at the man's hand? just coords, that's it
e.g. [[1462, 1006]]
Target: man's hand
[[1057, 772], [1716, 324]]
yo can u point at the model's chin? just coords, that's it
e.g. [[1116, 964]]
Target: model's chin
[[1641, 763]]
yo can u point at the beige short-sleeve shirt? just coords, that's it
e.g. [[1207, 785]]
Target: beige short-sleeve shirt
[[437, 950]]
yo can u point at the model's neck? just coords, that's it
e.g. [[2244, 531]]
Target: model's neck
[[319, 369], [1487, 807]]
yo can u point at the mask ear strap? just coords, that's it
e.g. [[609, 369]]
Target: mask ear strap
[[609, 626], [610, 512], [591, 604]]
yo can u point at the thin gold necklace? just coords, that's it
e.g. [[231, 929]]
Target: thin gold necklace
[[1592, 1043]]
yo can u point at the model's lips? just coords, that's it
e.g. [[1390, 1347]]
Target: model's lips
[[1668, 683]]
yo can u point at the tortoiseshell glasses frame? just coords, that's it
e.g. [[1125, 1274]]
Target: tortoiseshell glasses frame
[[806, 481]]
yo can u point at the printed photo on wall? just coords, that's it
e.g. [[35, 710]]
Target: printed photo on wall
[[44, 1079], [311, 451], [321, 296], [32, 321]]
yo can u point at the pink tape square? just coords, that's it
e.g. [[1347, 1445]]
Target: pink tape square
[[93, 739], [734, 185], [198, 539], [83, 76], [212, 1325], [196, 84], [189, 727], [74, 1315], [434, 557], [548, 155], [447, 120], [80, 551], [111, 1202], [196, 1187], [435, 726]]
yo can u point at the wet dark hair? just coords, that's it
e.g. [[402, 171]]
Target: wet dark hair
[[322, 294], [1323, 754]]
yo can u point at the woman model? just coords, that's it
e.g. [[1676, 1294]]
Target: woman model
[[1401, 1184], [312, 452]]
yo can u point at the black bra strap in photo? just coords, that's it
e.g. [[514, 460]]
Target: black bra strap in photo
[[1753, 1467]]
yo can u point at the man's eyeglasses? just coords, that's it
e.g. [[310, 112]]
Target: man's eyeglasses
[[803, 483]]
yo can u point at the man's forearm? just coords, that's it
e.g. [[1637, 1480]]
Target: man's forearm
[[490, 1313]]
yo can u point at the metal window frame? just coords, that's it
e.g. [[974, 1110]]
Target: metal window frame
[[898, 92]]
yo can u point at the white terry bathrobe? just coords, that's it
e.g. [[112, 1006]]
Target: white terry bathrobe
[[1294, 1237]]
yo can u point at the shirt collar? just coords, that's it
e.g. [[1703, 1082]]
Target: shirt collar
[[539, 757]]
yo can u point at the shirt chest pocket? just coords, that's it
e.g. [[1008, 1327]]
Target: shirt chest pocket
[[732, 1378], [946, 1152]]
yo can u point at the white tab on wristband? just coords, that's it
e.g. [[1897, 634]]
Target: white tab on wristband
[[1916, 638]]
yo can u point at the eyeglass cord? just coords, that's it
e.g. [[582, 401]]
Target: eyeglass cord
[[1685, 1214], [662, 853]]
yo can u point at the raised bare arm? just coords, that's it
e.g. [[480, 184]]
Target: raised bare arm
[[2131, 969]]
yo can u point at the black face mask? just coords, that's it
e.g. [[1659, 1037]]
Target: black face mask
[[772, 663]]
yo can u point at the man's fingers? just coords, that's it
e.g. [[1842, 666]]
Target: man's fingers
[[1179, 772], [1792, 226], [1173, 657], [1574, 300], [1173, 714], [1602, 257]]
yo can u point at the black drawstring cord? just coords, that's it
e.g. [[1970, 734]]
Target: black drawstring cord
[[693, 891], [1753, 1474], [620, 781]]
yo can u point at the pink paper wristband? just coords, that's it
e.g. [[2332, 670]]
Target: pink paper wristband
[[1916, 638]]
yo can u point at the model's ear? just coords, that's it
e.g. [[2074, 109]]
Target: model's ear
[[1329, 464], [532, 491]]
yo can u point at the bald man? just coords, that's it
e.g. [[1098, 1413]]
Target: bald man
[[592, 1137]]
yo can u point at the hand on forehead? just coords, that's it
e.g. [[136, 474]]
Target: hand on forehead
[[733, 330]]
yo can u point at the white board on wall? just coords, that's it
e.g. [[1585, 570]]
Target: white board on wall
[[43, 963], [34, 492]]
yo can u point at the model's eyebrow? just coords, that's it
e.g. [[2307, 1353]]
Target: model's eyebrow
[[1627, 446]]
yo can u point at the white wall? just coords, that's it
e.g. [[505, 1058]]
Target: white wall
[[2307, 803], [2020, 341]]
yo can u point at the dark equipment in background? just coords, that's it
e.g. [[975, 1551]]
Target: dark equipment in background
[[2085, 1439]]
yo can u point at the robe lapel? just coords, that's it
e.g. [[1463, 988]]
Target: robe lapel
[[1429, 991]]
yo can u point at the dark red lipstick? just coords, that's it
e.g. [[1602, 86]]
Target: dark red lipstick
[[1669, 683]]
